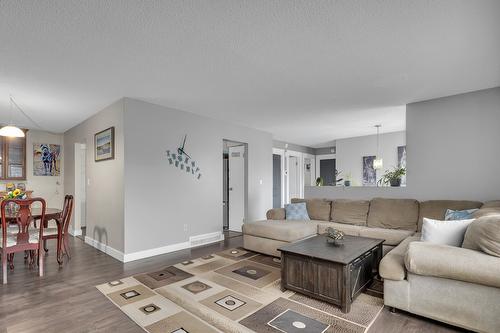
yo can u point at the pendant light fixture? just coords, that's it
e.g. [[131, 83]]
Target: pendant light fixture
[[378, 163], [12, 130]]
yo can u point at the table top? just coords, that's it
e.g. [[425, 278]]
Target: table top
[[317, 247], [37, 212]]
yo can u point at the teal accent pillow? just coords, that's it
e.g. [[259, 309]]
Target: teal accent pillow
[[452, 215], [296, 211]]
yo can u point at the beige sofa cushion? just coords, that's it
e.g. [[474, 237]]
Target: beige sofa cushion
[[391, 236], [454, 263], [436, 209], [393, 214], [350, 211], [317, 209], [392, 265], [348, 229], [276, 214], [491, 204], [488, 211], [484, 234], [283, 230]]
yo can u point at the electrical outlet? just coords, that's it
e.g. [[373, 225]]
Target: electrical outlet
[[185, 227]]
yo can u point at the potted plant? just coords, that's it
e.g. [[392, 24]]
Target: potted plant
[[393, 177], [319, 181]]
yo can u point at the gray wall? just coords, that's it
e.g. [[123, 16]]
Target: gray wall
[[160, 199], [325, 150], [294, 147], [105, 188], [453, 146]]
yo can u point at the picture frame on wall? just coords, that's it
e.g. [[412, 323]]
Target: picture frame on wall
[[104, 145], [369, 172]]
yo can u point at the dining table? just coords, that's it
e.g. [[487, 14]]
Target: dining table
[[51, 214]]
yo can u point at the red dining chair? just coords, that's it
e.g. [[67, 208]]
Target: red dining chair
[[53, 233], [22, 238]]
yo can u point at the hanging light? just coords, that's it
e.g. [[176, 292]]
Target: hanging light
[[378, 162], [11, 130]]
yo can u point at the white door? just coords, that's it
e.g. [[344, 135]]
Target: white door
[[293, 177], [236, 187]]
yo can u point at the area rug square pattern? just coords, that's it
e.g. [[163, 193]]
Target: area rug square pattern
[[230, 291]]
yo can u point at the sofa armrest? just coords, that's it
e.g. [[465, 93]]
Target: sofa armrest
[[392, 266], [454, 263], [276, 214]]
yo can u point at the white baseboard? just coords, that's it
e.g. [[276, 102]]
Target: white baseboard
[[194, 241], [75, 232], [156, 251], [105, 248]]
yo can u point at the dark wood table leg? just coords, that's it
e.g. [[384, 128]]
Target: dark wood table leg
[[346, 289]]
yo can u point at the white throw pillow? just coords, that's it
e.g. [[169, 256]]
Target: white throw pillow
[[444, 232]]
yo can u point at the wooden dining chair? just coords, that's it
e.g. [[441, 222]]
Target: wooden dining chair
[[22, 238], [61, 233]]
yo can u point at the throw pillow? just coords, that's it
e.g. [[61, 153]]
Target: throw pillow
[[444, 232], [484, 234], [296, 211], [452, 215]]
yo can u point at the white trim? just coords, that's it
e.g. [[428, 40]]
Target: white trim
[[281, 152], [105, 248], [313, 169], [75, 232], [194, 241], [300, 173], [156, 251]]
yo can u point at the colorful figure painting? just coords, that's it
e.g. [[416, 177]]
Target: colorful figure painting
[[46, 159]]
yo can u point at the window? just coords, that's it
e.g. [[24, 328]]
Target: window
[[12, 158]]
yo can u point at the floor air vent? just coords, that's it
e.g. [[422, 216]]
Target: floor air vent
[[205, 239]]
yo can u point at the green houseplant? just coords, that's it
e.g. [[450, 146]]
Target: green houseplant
[[393, 177]]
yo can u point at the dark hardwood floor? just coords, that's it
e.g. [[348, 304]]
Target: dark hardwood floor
[[66, 300]]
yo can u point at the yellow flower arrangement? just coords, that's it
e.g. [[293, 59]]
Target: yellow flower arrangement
[[15, 194]]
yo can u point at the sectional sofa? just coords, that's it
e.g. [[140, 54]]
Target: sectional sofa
[[459, 286]]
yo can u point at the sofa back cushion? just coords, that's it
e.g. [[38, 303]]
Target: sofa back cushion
[[350, 211], [393, 213], [317, 209], [436, 209], [484, 235]]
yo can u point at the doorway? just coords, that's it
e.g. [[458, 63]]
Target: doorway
[[234, 186], [80, 218]]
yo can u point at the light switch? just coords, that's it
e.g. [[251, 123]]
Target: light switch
[[260, 181]]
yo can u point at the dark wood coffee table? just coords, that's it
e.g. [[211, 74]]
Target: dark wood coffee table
[[333, 273]]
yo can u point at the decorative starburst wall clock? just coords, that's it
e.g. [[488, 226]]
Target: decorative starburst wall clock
[[179, 159]]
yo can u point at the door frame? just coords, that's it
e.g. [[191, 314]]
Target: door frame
[[79, 150], [324, 157], [245, 180], [281, 152], [313, 168], [300, 171]]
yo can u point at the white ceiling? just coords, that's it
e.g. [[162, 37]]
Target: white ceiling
[[307, 71]]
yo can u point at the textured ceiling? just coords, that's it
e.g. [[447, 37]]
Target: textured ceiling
[[307, 71]]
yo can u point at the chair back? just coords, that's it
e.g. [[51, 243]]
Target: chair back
[[66, 213], [22, 217]]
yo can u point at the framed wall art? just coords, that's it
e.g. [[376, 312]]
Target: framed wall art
[[104, 145]]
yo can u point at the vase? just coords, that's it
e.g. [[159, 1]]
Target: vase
[[395, 182]]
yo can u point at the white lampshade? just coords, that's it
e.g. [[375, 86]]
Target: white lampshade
[[378, 163], [11, 131]]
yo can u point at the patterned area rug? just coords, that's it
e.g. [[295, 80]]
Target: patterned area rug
[[232, 291]]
